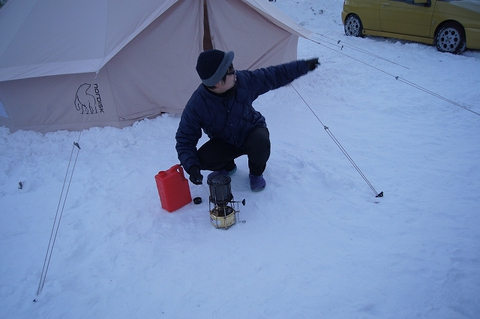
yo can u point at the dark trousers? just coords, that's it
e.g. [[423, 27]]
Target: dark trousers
[[216, 155]]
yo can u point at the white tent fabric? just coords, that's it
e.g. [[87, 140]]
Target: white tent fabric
[[71, 65]]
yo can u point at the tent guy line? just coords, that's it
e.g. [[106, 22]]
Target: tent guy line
[[399, 78], [58, 215], [339, 44], [337, 142]]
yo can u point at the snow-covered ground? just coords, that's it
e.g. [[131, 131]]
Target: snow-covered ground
[[317, 243]]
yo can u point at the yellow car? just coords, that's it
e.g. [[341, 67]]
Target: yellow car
[[450, 25]]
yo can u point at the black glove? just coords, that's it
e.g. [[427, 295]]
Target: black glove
[[312, 64], [195, 176]]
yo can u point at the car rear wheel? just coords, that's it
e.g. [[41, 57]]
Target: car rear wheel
[[450, 38], [353, 26]]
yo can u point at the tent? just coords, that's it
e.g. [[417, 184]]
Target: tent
[[71, 65]]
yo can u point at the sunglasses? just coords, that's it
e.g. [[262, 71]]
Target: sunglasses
[[230, 70]]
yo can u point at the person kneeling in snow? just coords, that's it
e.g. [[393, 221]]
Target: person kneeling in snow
[[222, 107]]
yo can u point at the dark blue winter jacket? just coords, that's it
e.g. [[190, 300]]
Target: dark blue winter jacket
[[231, 117]]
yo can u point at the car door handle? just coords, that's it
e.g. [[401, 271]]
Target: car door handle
[[386, 4]]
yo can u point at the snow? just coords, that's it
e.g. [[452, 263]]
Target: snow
[[317, 243]]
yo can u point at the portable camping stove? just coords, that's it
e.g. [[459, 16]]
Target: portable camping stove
[[224, 211]]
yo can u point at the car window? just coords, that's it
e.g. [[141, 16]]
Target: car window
[[406, 1]]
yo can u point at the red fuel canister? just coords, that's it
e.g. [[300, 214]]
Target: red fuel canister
[[173, 188]]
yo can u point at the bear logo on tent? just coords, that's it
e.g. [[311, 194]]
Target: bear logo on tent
[[87, 103]]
